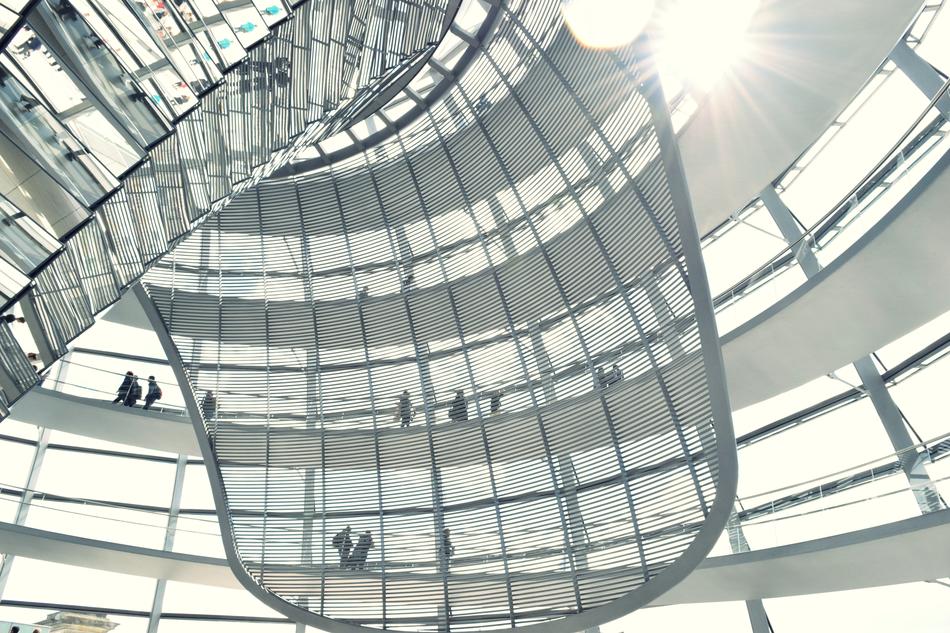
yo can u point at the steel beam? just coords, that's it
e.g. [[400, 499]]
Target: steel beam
[[921, 74], [154, 617], [912, 462], [23, 508]]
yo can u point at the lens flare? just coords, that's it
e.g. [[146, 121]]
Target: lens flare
[[606, 23]]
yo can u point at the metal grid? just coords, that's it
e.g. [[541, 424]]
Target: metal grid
[[511, 250], [291, 90]]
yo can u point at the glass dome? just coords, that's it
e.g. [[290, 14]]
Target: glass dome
[[448, 207]]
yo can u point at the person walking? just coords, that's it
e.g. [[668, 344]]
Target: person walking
[[31, 45], [405, 409], [342, 543], [208, 405], [154, 393], [122, 394], [458, 411], [135, 392], [361, 551], [447, 550], [494, 405]]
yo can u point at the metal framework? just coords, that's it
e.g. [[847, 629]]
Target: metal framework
[[190, 104], [474, 250]]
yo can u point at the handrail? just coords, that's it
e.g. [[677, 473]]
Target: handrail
[[164, 408], [590, 546], [163, 515], [906, 450], [771, 518], [815, 230]]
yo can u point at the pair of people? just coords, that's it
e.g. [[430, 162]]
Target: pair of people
[[607, 378], [352, 557], [458, 410], [356, 559], [130, 391]]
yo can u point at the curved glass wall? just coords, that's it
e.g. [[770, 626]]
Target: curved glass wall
[[834, 506], [853, 431], [473, 344]]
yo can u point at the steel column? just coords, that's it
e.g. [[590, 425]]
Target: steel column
[[912, 462], [23, 509], [922, 74], [173, 510]]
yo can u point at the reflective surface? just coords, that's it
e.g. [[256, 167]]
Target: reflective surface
[[516, 272]]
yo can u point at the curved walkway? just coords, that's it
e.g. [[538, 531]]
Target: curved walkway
[[102, 420], [896, 272], [515, 436], [889, 282], [807, 61], [903, 551]]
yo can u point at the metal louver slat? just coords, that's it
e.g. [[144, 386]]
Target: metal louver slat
[[213, 153], [463, 328], [16, 373]]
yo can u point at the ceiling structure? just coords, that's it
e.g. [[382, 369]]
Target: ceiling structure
[[458, 201]]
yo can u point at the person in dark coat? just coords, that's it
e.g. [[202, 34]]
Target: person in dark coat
[[608, 378], [154, 392], [458, 412], [361, 551], [447, 550], [123, 392], [495, 403], [135, 392], [405, 409], [208, 405], [342, 543], [29, 46]]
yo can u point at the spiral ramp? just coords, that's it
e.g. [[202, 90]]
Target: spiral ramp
[[522, 232]]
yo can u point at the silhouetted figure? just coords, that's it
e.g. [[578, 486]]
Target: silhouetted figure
[[357, 559], [342, 543], [364, 292], [154, 392], [495, 404], [135, 392], [29, 46], [607, 378], [405, 409], [9, 318], [447, 550], [208, 405], [458, 412], [123, 391]]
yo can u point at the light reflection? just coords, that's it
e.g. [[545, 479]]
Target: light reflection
[[700, 40], [606, 23]]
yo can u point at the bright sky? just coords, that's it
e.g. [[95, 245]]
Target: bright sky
[[702, 40]]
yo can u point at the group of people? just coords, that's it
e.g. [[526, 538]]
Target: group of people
[[130, 391], [354, 557], [458, 408]]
